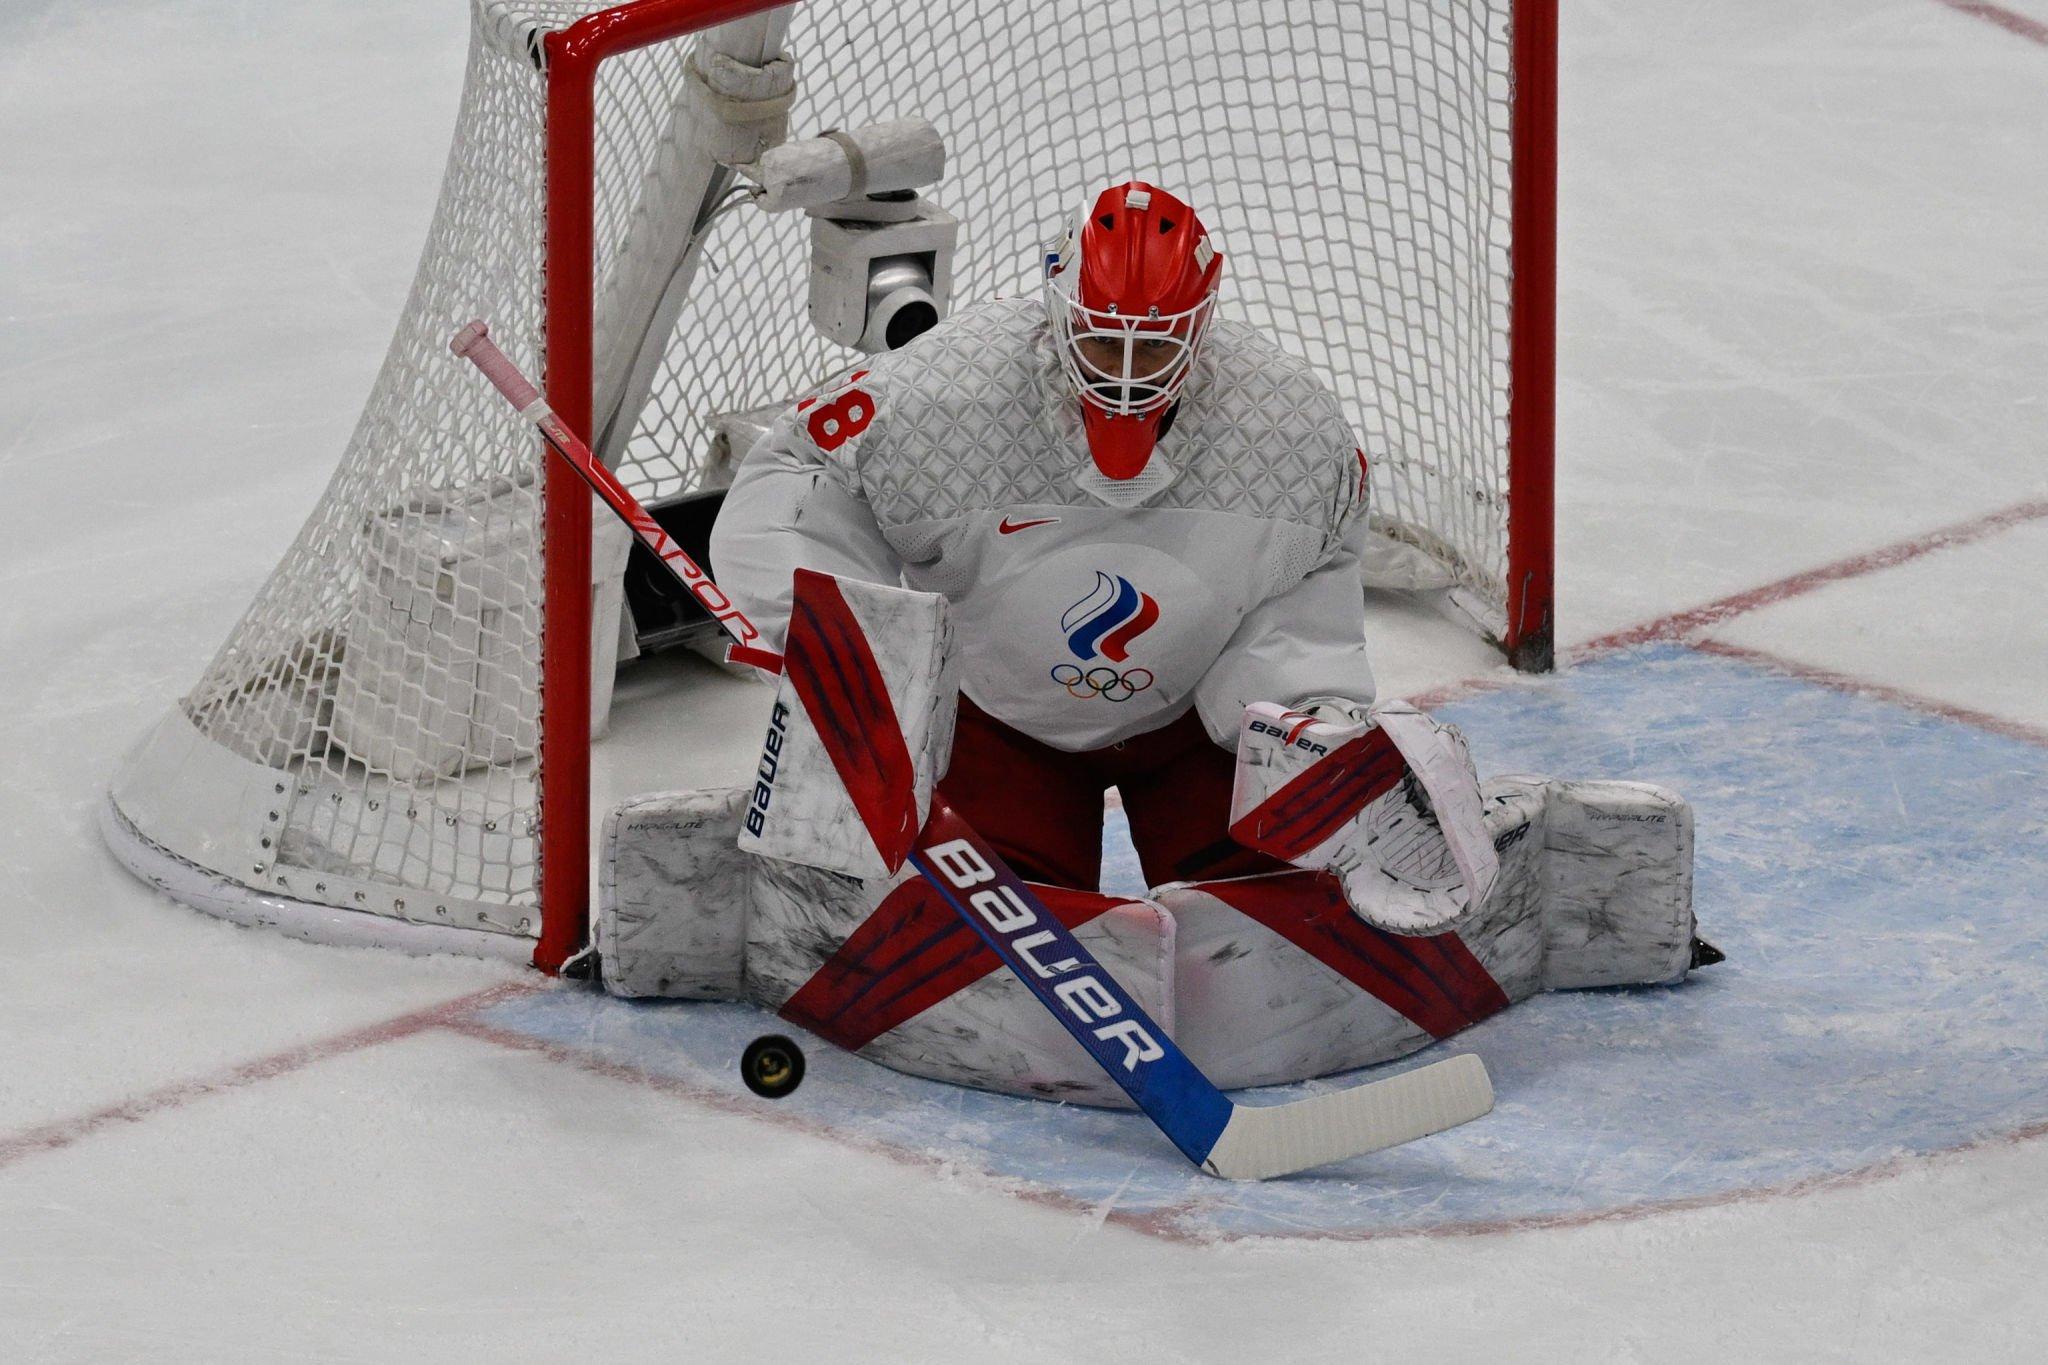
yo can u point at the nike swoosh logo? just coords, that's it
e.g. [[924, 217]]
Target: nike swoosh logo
[[1006, 527]]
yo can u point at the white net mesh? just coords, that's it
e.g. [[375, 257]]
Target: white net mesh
[[389, 666], [1351, 159]]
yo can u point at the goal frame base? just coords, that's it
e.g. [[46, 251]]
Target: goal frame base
[[310, 922]]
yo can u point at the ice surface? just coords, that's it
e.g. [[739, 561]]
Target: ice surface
[[1804, 314], [1949, 636]]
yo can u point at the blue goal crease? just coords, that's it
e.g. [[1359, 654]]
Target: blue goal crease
[[1871, 871]]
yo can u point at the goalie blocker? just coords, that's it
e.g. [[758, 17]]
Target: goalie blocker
[[1387, 803]]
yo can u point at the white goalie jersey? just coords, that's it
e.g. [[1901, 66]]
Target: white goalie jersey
[[1085, 610]]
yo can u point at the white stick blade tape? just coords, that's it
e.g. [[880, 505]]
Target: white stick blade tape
[[1280, 1139]]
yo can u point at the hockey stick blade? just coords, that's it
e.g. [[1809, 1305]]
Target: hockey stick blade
[[1279, 1139], [1223, 1138]]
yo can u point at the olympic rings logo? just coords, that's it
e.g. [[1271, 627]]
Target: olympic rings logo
[[1102, 681]]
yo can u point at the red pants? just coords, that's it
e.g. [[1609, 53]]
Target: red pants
[[1042, 808]]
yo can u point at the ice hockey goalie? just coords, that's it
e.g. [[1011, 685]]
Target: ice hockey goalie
[[1107, 538]]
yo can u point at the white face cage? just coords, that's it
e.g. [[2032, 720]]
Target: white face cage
[[1141, 381]]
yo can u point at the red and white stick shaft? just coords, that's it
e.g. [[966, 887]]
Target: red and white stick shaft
[[473, 343]]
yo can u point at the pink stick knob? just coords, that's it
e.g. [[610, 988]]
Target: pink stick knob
[[473, 343]]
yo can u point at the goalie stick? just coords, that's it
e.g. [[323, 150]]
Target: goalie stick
[[1222, 1137]]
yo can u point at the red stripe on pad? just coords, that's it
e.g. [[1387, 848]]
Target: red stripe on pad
[[1312, 806], [833, 669], [912, 952], [1434, 981]]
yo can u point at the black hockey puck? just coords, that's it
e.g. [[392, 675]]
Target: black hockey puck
[[772, 1066]]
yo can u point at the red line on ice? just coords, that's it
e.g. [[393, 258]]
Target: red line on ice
[[2012, 22], [51, 1137], [1181, 1221], [729, 1100], [1863, 687], [1681, 624]]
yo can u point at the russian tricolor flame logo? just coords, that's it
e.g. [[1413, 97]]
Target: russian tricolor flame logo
[[1108, 619]]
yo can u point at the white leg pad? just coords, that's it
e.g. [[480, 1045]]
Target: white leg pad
[[684, 913], [1256, 1007], [1617, 890], [990, 1033], [1594, 889], [673, 894]]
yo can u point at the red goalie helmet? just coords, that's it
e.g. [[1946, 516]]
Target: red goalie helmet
[[1129, 291]]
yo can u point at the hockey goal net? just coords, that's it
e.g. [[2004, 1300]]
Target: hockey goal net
[[393, 744]]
